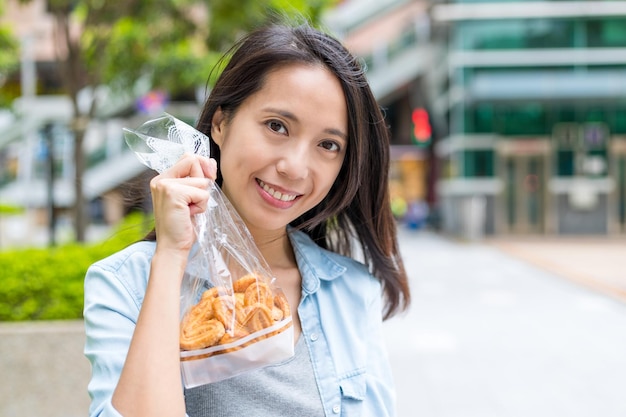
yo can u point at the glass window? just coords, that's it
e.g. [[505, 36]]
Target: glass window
[[596, 114], [478, 163], [484, 118], [565, 114], [606, 32], [480, 119], [524, 119], [565, 163], [516, 34], [619, 120]]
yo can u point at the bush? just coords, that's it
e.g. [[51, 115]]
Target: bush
[[47, 283]]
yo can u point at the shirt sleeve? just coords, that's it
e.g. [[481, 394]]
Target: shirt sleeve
[[110, 313]]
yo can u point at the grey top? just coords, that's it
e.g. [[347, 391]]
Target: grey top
[[284, 389]]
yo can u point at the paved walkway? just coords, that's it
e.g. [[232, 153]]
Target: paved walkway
[[496, 330], [598, 263], [44, 372]]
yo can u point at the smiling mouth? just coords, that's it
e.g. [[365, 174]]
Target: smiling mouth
[[276, 194]]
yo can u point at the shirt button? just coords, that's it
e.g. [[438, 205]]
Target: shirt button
[[314, 337], [336, 409]]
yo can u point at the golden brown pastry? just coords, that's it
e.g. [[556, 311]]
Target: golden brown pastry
[[222, 317], [259, 317], [281, 302], [244, 282], [198, 334], [259, 292]]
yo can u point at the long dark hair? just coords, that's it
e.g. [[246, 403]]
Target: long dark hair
[[357, 208]]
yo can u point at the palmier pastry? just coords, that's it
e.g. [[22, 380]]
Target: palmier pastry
[[225, 306], [242, 284], [280, 301], [214, 292], [237, 333], [199, 334], [259, 292], [223, 315], [240, 299], [259, 317], [277, 313]]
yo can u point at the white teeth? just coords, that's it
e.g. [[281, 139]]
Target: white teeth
[[276, 194]]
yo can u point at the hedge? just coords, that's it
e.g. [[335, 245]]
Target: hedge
[[47, 283]]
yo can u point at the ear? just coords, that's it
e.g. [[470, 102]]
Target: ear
[[218, 125]]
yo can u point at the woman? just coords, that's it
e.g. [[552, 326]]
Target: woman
[[302, 150]]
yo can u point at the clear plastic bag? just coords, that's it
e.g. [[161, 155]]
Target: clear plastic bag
[[233, 317]]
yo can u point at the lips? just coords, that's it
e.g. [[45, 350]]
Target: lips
[[284, 196]]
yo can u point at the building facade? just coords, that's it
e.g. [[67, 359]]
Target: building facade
[[535, 108], [391, 37]]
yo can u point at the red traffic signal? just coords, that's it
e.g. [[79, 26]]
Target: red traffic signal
[[422, 130]]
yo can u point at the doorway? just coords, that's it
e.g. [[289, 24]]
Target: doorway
[[525, 178]]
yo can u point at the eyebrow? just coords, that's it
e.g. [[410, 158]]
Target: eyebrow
[[288, 115]]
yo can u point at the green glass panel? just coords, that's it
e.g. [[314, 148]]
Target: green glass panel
[[516, 34], [479, 163], [524, 119], [608, 32], [621, 189], [619, 120], [484, 118], [565, 114], [595, 114], [565, 163]]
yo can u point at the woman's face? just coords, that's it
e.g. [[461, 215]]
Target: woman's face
[[284, 147]]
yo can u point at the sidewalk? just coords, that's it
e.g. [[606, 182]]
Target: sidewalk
[[510, 328], [598, 263], [44, 371]]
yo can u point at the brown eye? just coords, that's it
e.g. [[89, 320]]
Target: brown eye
[[330, 145], [276, 126]]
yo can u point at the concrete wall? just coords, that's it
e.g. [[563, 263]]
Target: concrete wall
[[43, 370], [589, 221], [468, 216]]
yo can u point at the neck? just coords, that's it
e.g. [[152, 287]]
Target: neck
[[275, 247]]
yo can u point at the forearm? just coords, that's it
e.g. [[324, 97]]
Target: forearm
[[150, 382]]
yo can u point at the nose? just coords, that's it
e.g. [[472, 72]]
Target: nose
[[293, 163]]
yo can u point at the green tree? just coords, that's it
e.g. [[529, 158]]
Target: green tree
[[9, 57], [171, 44]]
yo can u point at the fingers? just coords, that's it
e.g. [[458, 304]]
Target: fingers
[[181, 191], [197, 198], [192, 166], [211, 168], [205, 167]]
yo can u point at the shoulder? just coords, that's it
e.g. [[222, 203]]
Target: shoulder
[[331, 266], [128, 268], [138, 254]]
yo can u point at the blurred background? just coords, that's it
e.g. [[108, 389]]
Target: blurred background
[[507, 117], [508, 123]]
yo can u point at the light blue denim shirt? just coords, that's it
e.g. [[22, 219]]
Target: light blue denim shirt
[[340, 313]]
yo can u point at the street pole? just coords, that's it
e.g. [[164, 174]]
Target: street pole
[[49, 138], [28, 86]]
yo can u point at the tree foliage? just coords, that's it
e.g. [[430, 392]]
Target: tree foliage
[[173, 43], [170, 44], [9, 57]]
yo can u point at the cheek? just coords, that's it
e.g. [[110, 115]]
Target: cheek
[[329, 178]]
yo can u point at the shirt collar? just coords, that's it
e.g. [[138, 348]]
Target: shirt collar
[[314, 263]]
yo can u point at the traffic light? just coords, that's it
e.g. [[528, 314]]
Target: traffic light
[[422, 131]]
